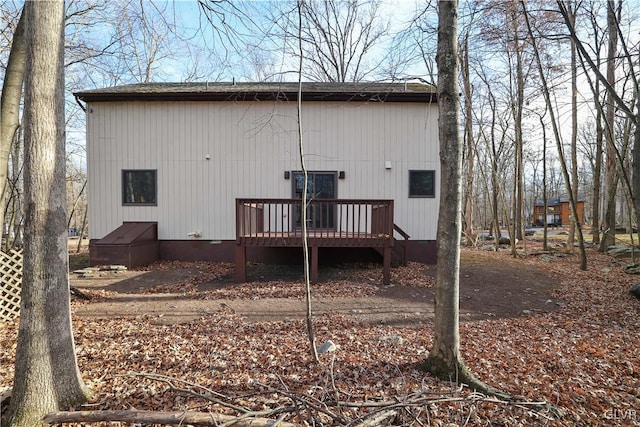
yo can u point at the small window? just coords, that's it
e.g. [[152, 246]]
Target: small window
[[422, 184], [139, 187]]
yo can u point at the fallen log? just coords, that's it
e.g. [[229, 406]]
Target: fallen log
[[168, 418]]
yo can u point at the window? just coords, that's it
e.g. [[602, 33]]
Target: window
[[422, 184], [139, 187]]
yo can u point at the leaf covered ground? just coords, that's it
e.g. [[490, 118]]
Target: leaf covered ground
[[579, 363]]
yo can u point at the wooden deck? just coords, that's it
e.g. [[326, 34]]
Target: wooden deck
[[330, 223]]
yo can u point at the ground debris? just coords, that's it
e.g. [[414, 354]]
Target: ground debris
[[577, 364]]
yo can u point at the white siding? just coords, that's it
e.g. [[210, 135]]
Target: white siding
[[250, 145]]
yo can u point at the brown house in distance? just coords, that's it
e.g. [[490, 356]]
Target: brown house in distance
[[558, 211]]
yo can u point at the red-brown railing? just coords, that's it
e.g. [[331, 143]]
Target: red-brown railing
[[330, 222]]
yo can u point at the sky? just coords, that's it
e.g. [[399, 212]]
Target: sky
[[203, 49]]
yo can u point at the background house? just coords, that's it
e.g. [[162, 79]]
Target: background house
[[166, 163], [558, 211]]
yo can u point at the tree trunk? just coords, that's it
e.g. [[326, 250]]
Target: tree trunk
[[597, 174], [609, 236], [305, 200], [10, 107], [470, 233], [574, 129], [545, 235], [635, 164], [518, 111], [494, 176], [445, 359], [181, 418], [46, 377], [13, 216], [556, 134]]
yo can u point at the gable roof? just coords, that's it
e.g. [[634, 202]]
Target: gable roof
[[232, 91]]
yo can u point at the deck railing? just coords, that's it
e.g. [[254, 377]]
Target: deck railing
[[330, 222]]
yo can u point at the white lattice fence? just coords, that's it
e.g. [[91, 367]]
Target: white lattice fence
[[11, 281]]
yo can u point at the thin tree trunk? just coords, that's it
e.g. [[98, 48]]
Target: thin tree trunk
[[635, 165], [608, 239], [556, 133], [545, 236], [46, 376], [10, 107], [84, 224], [17, 205], [597, 173], [519, 107], [574, 130], [470, 233], [614, 31], [75, 204], [494, 175], [303, 203]]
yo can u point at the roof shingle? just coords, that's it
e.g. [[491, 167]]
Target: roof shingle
[[228, 91]]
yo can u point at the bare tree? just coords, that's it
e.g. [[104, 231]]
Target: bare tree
[[598, 42], [556, 133], [304, 202], [140, 41], [496, 149], [445, 360], [503, 35], [338, 38], [574, 128], [10, 108], [615, 100], [469, 231], [611, 180], [46, 376]]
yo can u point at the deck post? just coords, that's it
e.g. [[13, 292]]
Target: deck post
[[314, 263], [241, 264], [386, 266]]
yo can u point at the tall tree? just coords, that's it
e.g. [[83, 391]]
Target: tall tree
[[571, 8], [338, 38], [10, 107], [469, 231], [556, 133], [598, 39], [46, 375], [615, 101], [608, 238], [518, 109], [444, 357], [445, 360], [305, 199], [504, 35]]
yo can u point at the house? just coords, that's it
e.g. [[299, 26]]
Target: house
[[211, 171], [558, 211]]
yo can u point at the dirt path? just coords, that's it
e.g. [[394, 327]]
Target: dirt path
[[490, 286], [173, 308]]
